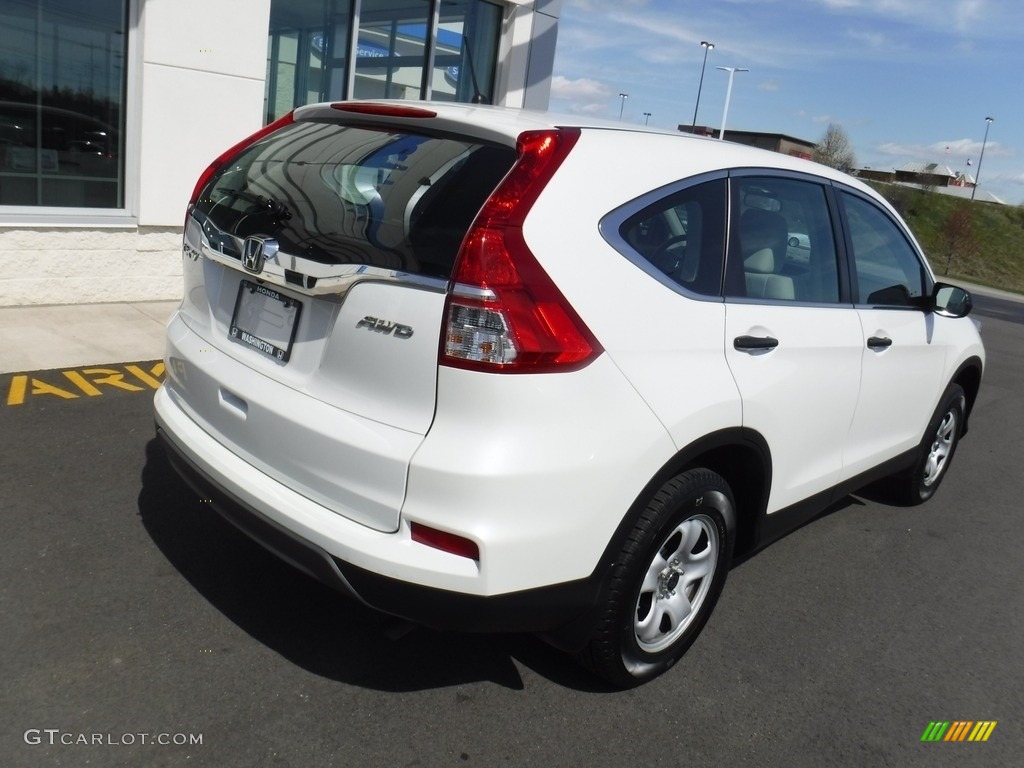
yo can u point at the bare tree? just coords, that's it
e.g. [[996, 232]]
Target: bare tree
[[835, 149], [958, 231]]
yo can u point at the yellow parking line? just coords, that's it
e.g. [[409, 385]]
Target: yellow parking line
[[89, 381]]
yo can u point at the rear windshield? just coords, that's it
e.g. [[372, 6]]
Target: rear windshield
[[343, 195]]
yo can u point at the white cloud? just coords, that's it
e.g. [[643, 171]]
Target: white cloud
[[963, 16], [875, 40], [941, 150], [582, 88], [606, 5], [596, 109]]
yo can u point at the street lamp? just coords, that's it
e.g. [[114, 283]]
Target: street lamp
[[622, 104], [707, 47], [977, 176], [728, 95], [647, 116]]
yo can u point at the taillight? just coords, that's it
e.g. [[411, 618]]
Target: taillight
[[504, 313], [225, 157]]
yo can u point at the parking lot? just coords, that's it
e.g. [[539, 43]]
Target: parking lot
[[139, 628]]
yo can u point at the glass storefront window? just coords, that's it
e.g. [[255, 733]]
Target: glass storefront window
[[309, 40], [62, 99], [305, 53], [391, 51], [467, 52]]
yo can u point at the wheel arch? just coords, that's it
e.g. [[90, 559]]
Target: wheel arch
[[741, 456], [968, 376]]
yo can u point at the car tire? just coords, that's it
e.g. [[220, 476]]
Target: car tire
[[666, 580], [919, 483]]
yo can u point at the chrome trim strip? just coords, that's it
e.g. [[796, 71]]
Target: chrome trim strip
[[331, 279], [472, 292]]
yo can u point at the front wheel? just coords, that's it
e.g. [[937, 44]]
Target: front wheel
[[666, 581], [936, 451]]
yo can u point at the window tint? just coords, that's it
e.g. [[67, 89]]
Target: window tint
[[782, 247], [887, 267], [683, 236], [341, 195]]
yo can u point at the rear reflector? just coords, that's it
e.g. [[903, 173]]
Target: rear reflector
[[447, 542]]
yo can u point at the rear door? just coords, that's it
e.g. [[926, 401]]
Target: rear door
[[318, 261], [793, 345]]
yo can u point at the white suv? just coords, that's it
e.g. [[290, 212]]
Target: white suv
[[496, 370]]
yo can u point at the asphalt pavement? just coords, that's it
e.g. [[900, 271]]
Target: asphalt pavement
[[139, 628]]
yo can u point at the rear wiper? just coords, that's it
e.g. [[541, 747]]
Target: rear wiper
[[275, 208]]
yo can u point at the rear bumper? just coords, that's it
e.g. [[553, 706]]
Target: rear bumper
[[544, 610]]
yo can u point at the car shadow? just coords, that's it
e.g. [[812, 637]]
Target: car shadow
[[315, 627], [850, 500]]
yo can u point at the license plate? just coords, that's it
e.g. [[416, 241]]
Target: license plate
[[265, 320]]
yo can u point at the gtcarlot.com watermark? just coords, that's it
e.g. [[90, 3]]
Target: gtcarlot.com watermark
[[56, 736]]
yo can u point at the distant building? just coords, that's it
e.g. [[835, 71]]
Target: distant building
[[934, 176], [776, 142]]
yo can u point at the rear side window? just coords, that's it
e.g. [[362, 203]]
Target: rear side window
[[342, 195], [682, 236], [888, 270]]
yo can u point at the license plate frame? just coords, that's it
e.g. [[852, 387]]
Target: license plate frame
[[266, 320]]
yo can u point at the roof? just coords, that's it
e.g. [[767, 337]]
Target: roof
[[504, 125], [931, 169]]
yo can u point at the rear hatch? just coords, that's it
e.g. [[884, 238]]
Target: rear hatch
[[317, 262]]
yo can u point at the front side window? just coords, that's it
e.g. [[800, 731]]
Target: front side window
[[782, 246], [62, 99], [887, 268]]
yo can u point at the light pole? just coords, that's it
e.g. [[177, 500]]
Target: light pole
[[707, 47], [622, 104], [728, 95], [977, 176], [647, 116]]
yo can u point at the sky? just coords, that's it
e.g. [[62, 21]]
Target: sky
[[906, 80]]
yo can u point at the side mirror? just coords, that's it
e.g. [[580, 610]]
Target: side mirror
[[951, 301]]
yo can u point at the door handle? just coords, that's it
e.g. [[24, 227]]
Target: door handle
[[754, 343], [879, 342]]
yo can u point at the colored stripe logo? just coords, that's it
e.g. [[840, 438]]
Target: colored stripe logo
[[958, 730]]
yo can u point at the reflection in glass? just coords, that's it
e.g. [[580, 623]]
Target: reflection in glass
[[62, 86]]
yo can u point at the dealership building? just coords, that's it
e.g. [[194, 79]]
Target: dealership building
[[110, 110]]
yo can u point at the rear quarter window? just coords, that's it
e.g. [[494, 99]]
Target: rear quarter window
[[343, 195], [681, 237]]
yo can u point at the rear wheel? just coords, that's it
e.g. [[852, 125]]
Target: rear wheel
[[936, 451], [666, 581]]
